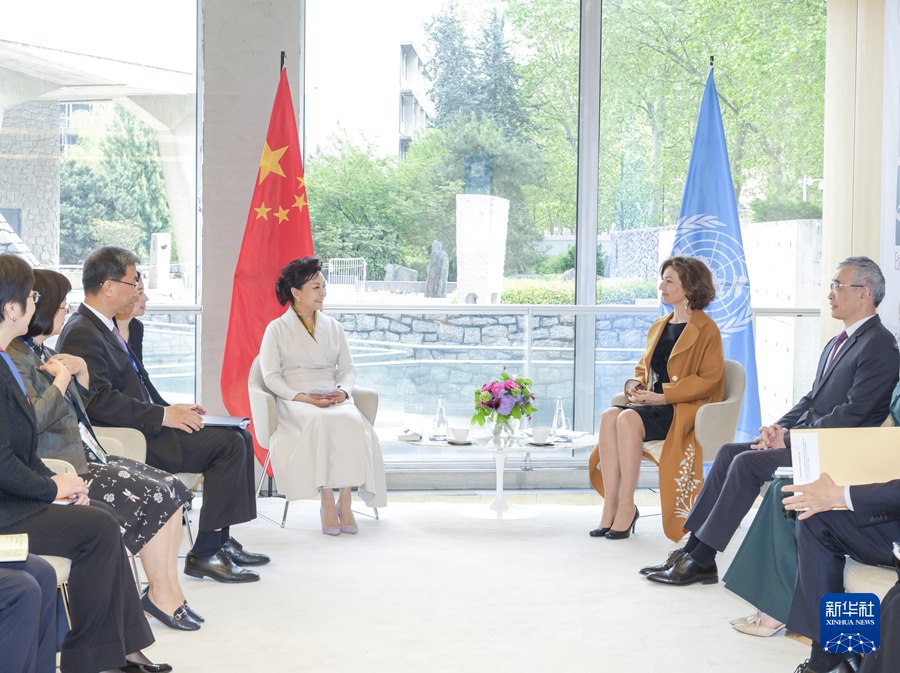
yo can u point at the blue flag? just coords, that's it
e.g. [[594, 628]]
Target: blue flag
[[709, 229]]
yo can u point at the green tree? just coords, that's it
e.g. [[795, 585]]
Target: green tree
[[112, 190], [137, 189], [499, 96], [452, 69]]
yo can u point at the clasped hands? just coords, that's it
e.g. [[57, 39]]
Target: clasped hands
[[771, 437], [71, 487], [63, 366], [323, 401], [185, 417], [638, 396]]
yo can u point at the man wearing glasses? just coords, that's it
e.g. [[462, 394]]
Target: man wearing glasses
[[857, 371], [177, 441]]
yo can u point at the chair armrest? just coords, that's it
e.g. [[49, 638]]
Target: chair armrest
[[714, 425], [124, 442], [58, 466], [366, 400], [264, 410]]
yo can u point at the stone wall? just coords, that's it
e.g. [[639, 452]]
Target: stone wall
[[29, 174], [412, 358]]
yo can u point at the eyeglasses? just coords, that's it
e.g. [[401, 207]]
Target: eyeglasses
[[34, 294], [835, 286], [134, 286]]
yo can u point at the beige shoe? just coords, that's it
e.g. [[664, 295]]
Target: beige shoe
[[753, 627], [749, 619]]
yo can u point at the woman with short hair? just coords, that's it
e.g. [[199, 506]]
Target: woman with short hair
[[682, 368]]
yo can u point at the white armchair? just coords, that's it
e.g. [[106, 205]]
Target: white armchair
[[264, 410], [715, 423]]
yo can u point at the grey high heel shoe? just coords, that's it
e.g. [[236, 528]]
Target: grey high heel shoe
[[330, 530], [350, 529]]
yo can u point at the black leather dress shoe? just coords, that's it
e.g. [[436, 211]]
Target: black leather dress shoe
[[135, 667], [673, 558], [218, 567], [180, 620], [686, 571], [843, 667], [241, 556], [599, 532]]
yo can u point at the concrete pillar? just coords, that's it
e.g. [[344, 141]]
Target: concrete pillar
[[481, 226], [854, 71], [242, 40]]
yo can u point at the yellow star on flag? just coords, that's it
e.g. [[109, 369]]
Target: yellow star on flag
[[282, 214], [301, 182], [262, 211], [268, 163], [299, 202]]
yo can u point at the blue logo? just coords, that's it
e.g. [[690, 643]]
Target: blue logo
[[849, 623], [709, 239]]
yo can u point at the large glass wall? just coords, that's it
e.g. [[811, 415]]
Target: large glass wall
[[98, 147], [466, 100]]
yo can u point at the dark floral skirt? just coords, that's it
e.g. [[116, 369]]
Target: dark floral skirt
[[143, 497]]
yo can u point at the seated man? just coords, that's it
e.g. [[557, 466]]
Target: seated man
[[864, 530], [176, 438], [856, 373]]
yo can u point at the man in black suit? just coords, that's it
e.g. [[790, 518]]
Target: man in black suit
[[865, 529], [856, 374], [177, 441]]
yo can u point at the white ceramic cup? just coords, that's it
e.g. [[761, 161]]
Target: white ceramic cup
[[540, 434], [459, 434]]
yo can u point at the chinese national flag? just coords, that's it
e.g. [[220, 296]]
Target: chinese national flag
[[277, 232]]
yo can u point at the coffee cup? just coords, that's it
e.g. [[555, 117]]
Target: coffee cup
[[540, 435], [459, 434]]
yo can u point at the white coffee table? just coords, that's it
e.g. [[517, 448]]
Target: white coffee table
[[500, 449]]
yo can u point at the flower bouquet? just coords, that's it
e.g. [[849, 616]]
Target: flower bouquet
[[503, 402]]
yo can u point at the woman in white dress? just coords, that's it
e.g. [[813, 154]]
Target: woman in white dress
[[322, 441]]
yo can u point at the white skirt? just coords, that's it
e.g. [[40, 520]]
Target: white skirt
[[334, 447]]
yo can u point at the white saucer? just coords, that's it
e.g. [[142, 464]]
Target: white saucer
[[456, 443], [540, 443]]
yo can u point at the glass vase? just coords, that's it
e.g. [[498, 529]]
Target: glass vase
[[505, 427]]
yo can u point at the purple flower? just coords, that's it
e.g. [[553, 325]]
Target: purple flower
[[507, 402]]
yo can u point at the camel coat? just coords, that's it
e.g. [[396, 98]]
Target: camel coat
[[697, 377]]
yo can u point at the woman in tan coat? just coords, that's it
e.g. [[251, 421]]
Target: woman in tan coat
[[682, 368]]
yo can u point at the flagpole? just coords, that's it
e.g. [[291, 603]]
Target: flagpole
[[282, 62], [711, 59]]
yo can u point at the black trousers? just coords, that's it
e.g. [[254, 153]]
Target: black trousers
[[730, 490], [107, 619], [823, 543], [28, 616], [885, 658], [224, 456]]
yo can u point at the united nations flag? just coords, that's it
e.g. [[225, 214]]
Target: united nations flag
[[709, 229]]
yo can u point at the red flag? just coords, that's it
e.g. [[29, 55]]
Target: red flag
[[277, 232]]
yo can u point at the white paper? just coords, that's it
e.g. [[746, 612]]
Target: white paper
[[805, 456]]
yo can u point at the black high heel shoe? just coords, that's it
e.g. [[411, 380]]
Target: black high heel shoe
[[622, 534], [599, 532]]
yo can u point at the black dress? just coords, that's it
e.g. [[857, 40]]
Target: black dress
[[658, 418]]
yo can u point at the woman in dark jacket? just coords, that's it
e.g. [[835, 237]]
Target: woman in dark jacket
[[108, 626]]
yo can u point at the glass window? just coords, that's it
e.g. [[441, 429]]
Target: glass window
[[98, 142]]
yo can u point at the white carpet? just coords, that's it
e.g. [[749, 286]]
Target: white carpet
[[430, 587]]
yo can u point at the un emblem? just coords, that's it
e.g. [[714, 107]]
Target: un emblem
[[707, 238]]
